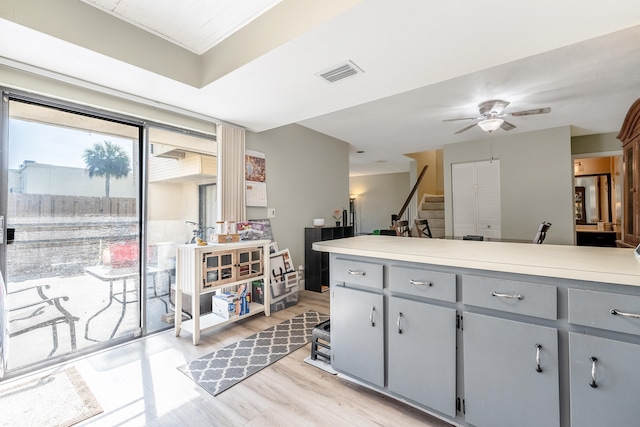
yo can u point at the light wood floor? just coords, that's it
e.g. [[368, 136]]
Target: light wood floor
[[138, 384]]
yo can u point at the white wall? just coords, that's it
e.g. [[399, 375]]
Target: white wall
[[536, 180], [379, 197], [307, 176]]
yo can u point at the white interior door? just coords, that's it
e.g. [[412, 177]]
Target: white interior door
[[476, 198]]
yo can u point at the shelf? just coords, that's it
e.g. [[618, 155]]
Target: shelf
[[316, 264], [200, 265], [210, 320]]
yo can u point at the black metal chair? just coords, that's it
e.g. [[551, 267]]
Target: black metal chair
[[542, 232]]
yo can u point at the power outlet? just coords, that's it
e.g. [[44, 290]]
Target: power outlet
[[271, 212]]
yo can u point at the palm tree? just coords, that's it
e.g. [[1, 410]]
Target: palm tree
[[108, 160]]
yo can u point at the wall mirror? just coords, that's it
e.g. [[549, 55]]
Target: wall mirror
[[593, 198]]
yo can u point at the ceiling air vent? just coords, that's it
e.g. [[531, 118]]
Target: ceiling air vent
[[340, 71]]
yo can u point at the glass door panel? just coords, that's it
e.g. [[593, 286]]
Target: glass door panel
[[180, 205], [71, 201]]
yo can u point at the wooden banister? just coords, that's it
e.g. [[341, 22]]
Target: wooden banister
[[413, 190]]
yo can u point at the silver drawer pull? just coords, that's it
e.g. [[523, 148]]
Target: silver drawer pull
[[398, 323], [616, 312], [593, 382], [419, 283], [496, 294], [373, 309], [357, 273], [538, 367]]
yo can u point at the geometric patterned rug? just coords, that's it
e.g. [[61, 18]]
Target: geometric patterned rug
[[224, 368]]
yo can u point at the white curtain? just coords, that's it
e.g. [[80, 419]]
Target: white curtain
[[231, 173]]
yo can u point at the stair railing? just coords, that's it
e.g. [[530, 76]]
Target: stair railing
[[397, 217]]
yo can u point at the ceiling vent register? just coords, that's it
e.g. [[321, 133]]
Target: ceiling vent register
[[340, 72]]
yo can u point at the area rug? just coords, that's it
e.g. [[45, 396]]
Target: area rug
[[218, 371], [60, 399]]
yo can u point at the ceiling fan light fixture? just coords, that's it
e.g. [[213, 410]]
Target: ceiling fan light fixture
[[489, 125]]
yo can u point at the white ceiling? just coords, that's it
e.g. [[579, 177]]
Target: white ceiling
[[423, 62], [196, 25]]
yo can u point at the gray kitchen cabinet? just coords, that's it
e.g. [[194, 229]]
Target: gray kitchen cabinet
[[422, 353], [604, 372], [526, 321], [604, 381], [357, 334], [510, 373]]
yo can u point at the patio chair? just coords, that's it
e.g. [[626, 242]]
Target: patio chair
[[30, 309]]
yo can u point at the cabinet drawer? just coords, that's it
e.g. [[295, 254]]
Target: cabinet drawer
[[530, 299], [357, 272], [594, 309], [423, 283]]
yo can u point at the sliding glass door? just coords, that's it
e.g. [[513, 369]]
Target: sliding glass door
[[70, 253], [181, 203], [92, 207]]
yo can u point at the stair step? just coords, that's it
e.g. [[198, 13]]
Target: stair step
[[433, 198], [431, 215], [432, 206]]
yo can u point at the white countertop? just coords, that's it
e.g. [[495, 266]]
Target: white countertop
[[596, 264]]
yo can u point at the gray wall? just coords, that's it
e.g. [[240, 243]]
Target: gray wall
[[307, 175], [600, 143], [536, 181], [379, 196]]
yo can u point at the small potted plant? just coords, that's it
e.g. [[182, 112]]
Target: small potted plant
[[337, 215]]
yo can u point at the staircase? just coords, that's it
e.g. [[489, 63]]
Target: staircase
[[432, 208]]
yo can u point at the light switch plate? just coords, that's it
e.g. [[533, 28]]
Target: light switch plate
[[271, 212]]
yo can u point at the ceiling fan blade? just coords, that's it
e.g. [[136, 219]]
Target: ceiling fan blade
[[507, 126], [465, 129], [529, 112], [495, 106], [462, 118]]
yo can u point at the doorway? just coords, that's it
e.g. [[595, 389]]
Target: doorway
[[598, 199], [70, 201]]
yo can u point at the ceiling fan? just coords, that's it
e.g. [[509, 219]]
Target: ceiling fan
[[492, 116]]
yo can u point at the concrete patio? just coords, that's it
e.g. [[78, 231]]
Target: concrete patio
[[88, 299]]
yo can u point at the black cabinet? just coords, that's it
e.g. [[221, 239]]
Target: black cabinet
[[596, 238], [316, 264]]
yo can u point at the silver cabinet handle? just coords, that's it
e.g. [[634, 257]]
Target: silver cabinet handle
[[593, 382], [373, 309], [496, 294], [617, 312], [357, 273], [538, 368], [398, 323], [419, 283]]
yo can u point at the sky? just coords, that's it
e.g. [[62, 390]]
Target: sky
[[54, 145]]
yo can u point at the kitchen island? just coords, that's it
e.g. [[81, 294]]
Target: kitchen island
[[490, 333]]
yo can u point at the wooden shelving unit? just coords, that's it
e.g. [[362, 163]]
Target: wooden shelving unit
[[204, 270]]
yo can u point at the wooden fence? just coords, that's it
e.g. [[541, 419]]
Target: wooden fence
[[47, 205]]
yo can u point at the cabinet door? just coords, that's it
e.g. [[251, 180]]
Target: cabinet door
[[502, 384], [357, 334], [422, 353], [614, 402], [218, 268], [249, 263]]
